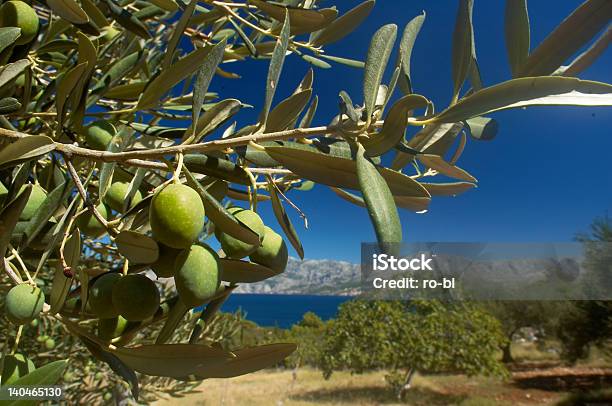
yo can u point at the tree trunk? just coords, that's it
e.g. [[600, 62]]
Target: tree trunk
[[507, 353], [407, 380]]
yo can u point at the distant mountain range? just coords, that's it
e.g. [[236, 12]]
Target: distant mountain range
[[311, 276]]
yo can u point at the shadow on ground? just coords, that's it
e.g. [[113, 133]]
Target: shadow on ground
[[378, 395], [565, 382]]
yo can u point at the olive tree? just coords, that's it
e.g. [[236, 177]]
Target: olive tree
[[406, 337], [103, 187]]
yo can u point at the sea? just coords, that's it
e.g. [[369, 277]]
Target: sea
[[282, 310]]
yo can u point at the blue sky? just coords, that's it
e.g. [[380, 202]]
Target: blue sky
[[544, 178]]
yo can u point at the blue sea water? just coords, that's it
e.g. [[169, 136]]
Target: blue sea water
[[282, 310]]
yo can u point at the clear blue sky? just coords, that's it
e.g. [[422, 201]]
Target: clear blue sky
[[544, 178]]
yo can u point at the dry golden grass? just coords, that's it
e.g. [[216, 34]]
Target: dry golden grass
[[272, 387]]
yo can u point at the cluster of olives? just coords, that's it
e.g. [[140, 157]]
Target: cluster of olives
[[176, 217]]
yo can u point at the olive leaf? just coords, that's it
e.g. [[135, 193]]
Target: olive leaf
[[9, 105], [10, 71], [212, 119], [179, 29], [66, 86], [284, 221], [168, 5], [287, 111], [482, 128], [343, 25], [176, 314], [117, 144], [171, 360], [437, 163], [522, 92], [168, 78], [69, 10], [310, 113], [48, 374], [394, 126], [379, 200], [61, 284], [345, 61], [379, 51], [8, 36], [463, 45], [127, 92], [209, 312], [319, 63], [127, 20], [217, 167], [327, 169], [448, 189], [236, 271], [571, 35], [204, 77], [115, 73], [405, 52], [245, 361], [518, 34], [586, 59], [9, 216], [274, 71], [94, 13], [347, 107], [222, 218], [302, 20], [25, 149], [45, 212], [137, 247], [169, 133]]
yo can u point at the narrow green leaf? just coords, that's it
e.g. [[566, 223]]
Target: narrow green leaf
[[115, 73], [171, 360], [437, 163], [69, 10], [319, 63], [571, 35], [344, 61], [8, 36], [543, 91], [395, 125], [236, 271], [175, 316], [448, 189], [343, 25], [204, 77], [302, 20], [168, 78], [216, 167], [310, 113], [52, 202], [25, 149], [10, 71], [117, 144], [127, 92], [586, 59], [518, 34], [379, 200], [284, 221], [127, 20], [482, 128], [137, 247], [9, 216], [405, 51], [287, 111], [463, 45], [46, 375], [168, 5], [61, 284], [66, 86], [245, 38], [94, 13], [376, 62], [274, 71], [179, 29], [221, 218]]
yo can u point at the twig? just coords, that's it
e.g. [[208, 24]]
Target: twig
[[92, 209]]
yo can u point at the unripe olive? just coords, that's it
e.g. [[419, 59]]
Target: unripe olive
[[273, 251], [24, 303], [16, 366], [197, 275], [101, 295], [107, 396], [164, 266], [50, 344], [233, 247], [110, 33], [135, 297], [37, 197], [99, 134], [20, 14], [116, 194], [89, 224], [176, 216]]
